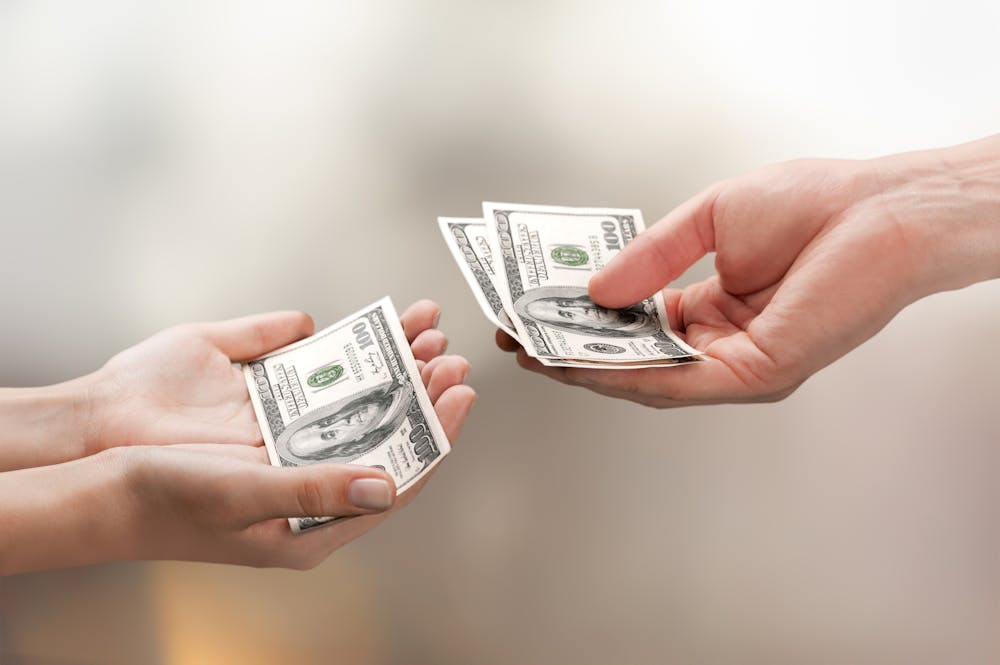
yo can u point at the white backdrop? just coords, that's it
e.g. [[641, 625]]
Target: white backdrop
[[168, 162]]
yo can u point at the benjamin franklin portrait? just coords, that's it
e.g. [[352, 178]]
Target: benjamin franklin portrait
[[570, 308], [348, 428]]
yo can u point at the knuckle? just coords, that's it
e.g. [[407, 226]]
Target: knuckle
[[313, 496], [184, 330], [298, 321], [730, 265], [721, 204], [258, 334]]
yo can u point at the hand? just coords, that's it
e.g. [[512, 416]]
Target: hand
[[178, 386], [205, 502], [812, 258]]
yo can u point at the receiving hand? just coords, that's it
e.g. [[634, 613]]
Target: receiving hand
[[178, 386], [209, 502], [227, 503]]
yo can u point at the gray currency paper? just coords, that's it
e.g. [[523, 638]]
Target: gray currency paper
[[545, 257], [350, 394], [469, 243]]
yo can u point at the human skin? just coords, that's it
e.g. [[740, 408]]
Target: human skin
[[157, 455], [813, 257]]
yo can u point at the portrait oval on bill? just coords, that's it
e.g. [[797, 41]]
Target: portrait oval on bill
[[348, 428], [569, 308]]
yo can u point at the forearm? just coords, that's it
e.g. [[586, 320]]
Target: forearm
[[947, 202], [46, 425], [976, 169], [70, 514]]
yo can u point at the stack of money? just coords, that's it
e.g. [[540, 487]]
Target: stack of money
[[350, 394], [529, 267]]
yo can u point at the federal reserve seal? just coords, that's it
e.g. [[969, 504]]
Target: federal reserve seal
[[598, 347]]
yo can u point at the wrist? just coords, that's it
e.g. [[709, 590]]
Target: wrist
[[975, 169], [47, 425], [71, 514], [94, 394], [947, 204]]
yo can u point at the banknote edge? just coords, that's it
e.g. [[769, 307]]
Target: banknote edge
[[444, 223]]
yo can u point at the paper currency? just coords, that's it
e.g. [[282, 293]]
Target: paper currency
[[529, 267], [349, 394], [469, 243]]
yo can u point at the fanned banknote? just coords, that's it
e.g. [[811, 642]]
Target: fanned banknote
[[349, 394], [545, 257], [469, 243]]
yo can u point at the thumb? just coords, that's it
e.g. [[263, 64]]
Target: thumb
[[659, 255], [318, 490]]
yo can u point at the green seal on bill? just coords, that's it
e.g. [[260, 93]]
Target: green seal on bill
[[570, 255], [325, 376]]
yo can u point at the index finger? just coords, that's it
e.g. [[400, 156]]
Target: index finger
[[659, 255], [252, 336]]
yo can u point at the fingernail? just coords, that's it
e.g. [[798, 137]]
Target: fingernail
[[437, 319], [370, 494]]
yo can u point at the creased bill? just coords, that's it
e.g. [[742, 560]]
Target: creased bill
[[545, 257], [349, 394], [470, 246]]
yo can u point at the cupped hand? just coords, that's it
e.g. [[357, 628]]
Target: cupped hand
[[181, 384], [208, 502], [225, 503], [812, 258]]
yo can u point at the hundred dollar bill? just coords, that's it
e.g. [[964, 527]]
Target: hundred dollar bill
[[642, 364], [349, 394], [469, 243], [546, 256]]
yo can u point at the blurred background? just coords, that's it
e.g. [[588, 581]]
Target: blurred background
[[164, 162]]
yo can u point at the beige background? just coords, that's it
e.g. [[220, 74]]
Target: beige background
[[175, 161]]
